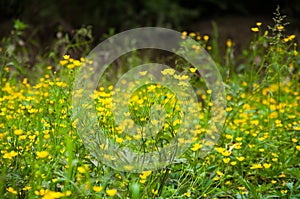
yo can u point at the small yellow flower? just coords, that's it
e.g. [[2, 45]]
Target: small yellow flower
[[119, 140], [240, 158], [81, 169], [97, 188], [266, 165], [280, 28], [284, 191], [220, 173], [143, 73], [187, 194], [146, 173], [196, 147], [184, 33], [11, 190], [233, 163], [155, 192], [192, 34], [18, 132], [273, 181], [226, 153], [63, 62], [258, 23], [255, 29], [229, 43], [68, 193], [10, 155], [256, 166], [66, 56], [26, 188], [193, 70], [294, 140], [226, 160], [168, 71], [298, 148], [42, 154], [205, 37], [111, 192]]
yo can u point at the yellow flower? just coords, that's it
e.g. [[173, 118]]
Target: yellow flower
[[184, 33], [220, 149], [284, 191], [187, 194], [26, 188], [226, 153], [226, 160], [233, 163], [143, 73], [280, 28], [10, 155], [266, 165], [255, 29], [111, 192], [119, 140], [18, 132], [11, 190], [205, 37], [258, 23], [52, 195], [298, 148], [193, 70], [63, 62], [97, 188], [273, 181], [81, 169], [289, 38], [68, 193], [220, 173], [146, 173], [192, 34], [256, 166], [228, 136], [155, 192], [168, 71], [229, 43], [240, 158], [66, 56], [196, 147], [42, 154]]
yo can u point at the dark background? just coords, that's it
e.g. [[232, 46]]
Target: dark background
[[46, 17]]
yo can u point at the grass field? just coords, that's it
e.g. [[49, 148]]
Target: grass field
[[257, 155]]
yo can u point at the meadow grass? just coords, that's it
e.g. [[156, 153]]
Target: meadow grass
[[257, 156]]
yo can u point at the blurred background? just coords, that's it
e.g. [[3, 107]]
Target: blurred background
[[47, 20], [49, 16]]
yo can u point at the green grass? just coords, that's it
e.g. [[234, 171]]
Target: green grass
[[257, 156]]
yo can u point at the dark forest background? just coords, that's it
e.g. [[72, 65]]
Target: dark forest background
[[44, 19]]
